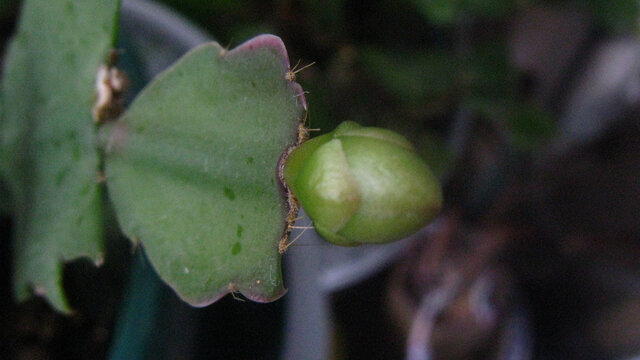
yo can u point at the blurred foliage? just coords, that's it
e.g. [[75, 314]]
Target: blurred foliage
[[450, 12], [414, 77], [529, 125], [407, 65], [616, 15]]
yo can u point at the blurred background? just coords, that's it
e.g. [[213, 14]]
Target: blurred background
[[526, 110]]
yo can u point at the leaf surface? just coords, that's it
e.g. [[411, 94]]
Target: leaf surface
[[48, 153], [192, 169]]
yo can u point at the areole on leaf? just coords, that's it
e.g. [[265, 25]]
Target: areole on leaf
[[363, 185]]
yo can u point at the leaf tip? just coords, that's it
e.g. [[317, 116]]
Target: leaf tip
[[265, 41], [55, 297], [276, 44]]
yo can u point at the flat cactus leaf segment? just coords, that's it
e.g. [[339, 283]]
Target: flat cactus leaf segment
[[191, 169], [48, 154]]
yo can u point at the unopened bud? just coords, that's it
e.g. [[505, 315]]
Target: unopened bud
[[363, 185]]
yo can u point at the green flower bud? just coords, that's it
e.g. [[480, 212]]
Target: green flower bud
[[363, 185]]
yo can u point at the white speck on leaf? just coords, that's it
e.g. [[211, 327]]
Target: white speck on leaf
[[271, 279]]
